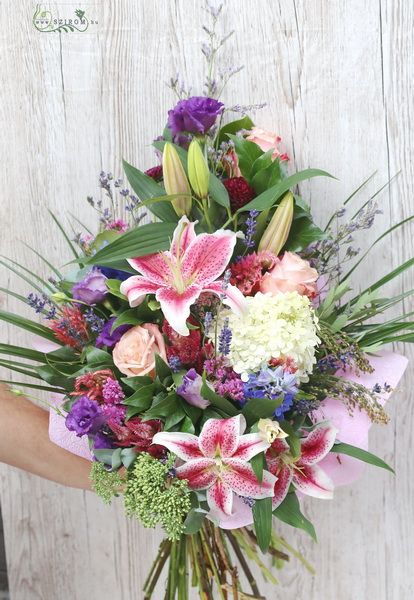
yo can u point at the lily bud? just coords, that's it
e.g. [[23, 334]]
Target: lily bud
[[59, 297], [277, 232], [175, 180], [198, 172]]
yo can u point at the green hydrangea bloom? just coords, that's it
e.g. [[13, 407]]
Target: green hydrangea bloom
[[154, 497], [106, 484]]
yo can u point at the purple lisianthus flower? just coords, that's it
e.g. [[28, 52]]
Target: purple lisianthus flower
[[92, 288], [190, 389], [102, 441], [194, 115], [85, 417], [108, 339]]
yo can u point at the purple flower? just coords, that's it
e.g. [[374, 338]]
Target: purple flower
[[114, 273], [102, 441], [190, 389], [85, 417], [194, 115], [92, 288], [108, 339], [114, 412], [112, 392]]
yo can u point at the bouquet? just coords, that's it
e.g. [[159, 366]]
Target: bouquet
[[213, 361]]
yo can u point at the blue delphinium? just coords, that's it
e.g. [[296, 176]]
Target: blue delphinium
[[272, 383]]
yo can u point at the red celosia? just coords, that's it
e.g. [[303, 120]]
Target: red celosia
[[155, 173], [70, 327], [91, 384], [249, 270], [240, 192], [138, 433], [186, 348]]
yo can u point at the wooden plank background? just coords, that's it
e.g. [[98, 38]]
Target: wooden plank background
[[337, 77]]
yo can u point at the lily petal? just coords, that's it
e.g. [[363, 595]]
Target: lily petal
[[233, 298], [317, 445], [136, 288], [242, 479], [183, 235], [220, 497], [284, 476], [176, 306], [250, 445], [313, 481], [199, 473], [208, 255], [220, 437], [184, 445], [241, 516], [153, 267]]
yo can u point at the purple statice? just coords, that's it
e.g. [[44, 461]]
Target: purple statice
[[85, 417], [92, 288], [194, 115], [42, 304], [272, 383], [175, 363], [109, 338], [190, 389], [112, 392], [251, 225], [225, 338], [96, 323], [225, 380], [114, 412]]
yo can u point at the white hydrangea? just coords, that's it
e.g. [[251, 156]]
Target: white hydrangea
[[282, 325]]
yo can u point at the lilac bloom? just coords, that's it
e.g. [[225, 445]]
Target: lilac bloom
[[190, 389]]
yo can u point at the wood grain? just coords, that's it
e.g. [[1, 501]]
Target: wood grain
[[337, 77]]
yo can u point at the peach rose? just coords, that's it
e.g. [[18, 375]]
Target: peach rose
[[135, 352], [290, 274], [266, 140]]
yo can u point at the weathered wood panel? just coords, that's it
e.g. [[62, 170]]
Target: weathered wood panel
[[337, 77]]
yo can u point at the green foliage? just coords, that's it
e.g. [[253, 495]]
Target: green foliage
[[247, 153], [262, 518], [289, 512], [218, 401], [260, 408], [233, 127], [105, 483], [360, 454], [156, 498], [29, 325]]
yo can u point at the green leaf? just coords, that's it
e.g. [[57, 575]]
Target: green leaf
[[270, 196], [27, 353], [104, 455], [293, 439], [258, 464], [262, 518], [267, 177], [128, 456], [29, 325], [194, 521], [302, 233], [174, 418], [289, 512], [68, 241], [162, 369], [145, 188], [116, 461], [113, 286], [164, 407], [260, 408], [233, 127], [147, 239], [364, 455], [216, 400], [96, 356], [389, 277], [187, 425], [137, 382], [142, 398], [247, 152]]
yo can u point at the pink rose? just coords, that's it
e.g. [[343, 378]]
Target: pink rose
[[266, 140], [135, 352], [290, 274]]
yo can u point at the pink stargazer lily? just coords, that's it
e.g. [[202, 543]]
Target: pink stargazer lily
[[178, 277], [304, 473], [217, 461]]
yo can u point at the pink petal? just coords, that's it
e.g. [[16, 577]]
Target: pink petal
[[242, 479], [284, 476], [153, 267], [317, 445], [183, 235], [208, 255], [136, 288], [220, 437], [220, 497], [233, 297], [241, 516], [250, 445], [176, 306], [184, 445], [313, 481], [200, 473]]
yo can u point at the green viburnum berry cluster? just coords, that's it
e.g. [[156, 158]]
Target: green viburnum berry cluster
[[155, 497], [106, 484]]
